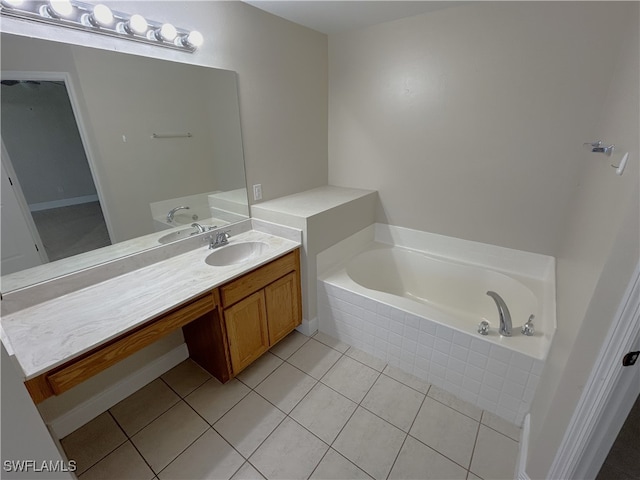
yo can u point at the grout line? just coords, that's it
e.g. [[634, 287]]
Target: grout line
[[101, 458], [181, 452], [132, 444], [408, 430], [475, 443]]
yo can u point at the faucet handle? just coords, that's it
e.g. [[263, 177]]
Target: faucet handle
[[483, 328], [527, 328]]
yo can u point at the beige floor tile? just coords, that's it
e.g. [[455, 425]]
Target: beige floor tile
[[370, 442], [166, 437], [406, 378], [140, 409], [501, 425], [93, 441], [213, 399], [394, 402], [445, 430], [314, 358], [259, 370], [285, 387], [471, 476], [416, 460], [209, 457], [186, 377], [454, 402], [124, 463], [247, 424], [247, 472], [335, 467], [324, 412], [290, 452], [351, 378], [329, 341], [367, 359], [486, 463], [288, 345]]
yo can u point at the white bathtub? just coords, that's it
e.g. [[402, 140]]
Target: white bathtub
[[420, 311]]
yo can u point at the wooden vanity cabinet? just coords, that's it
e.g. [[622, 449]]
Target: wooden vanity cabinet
[[261, 308], [225, 329]]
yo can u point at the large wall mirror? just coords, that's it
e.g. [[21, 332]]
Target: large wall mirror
[[106, 154]]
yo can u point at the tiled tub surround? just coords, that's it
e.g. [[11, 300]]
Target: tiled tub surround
[[498, 374]]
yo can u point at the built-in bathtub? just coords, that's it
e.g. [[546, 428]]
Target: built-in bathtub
[[415, 300]]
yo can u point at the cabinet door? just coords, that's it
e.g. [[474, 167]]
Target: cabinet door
[[246, 323], [283, 306]]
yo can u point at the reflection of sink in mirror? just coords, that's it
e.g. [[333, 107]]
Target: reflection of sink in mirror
[[177, 235], [236, 253], [185, 218]]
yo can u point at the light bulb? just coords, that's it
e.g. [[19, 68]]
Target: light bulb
[[195, 39], [59, 8], [167, 32], [137, 24], [102, 15]]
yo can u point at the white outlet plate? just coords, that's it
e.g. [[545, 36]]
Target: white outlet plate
[[257, 191]]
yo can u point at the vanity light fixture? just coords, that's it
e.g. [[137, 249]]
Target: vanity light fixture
[[101, 19]]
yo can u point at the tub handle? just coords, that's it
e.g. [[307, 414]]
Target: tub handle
[[483, 328], [527, 328]]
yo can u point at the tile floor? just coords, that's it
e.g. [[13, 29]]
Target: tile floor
[[309, 408]]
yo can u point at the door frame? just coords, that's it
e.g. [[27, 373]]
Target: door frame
[[603, 407], [22, 203], [80, 123]]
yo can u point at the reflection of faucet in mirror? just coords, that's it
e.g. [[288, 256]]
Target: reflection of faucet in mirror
[[173, 211], [200, 229]]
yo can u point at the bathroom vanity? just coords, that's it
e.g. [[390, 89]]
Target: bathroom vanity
[[230, 314]]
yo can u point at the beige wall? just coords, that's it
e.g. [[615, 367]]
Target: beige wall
[[598, 252], [469, 121], [282, 81]]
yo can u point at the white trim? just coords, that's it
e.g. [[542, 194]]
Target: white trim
[[22, 202], [521, 464], [308, 327], [90, 409], [63, 202], [597, 392]]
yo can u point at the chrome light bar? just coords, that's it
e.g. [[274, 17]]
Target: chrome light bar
[[100, 19]]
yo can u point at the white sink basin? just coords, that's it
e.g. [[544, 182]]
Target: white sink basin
[[236, 253], [177, 235]]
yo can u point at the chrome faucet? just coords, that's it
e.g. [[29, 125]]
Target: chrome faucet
[[505, 316], [199, 228], [221, 238], [173, 211]]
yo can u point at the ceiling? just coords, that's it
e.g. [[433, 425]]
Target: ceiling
[[339, 16]]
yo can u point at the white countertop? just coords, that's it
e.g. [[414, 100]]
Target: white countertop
[[312, 202], [51, 333]]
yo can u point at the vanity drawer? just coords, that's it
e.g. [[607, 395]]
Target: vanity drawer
[[77, 371], [250, 283]]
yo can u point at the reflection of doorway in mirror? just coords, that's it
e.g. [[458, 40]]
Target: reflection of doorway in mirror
[[48, 159]]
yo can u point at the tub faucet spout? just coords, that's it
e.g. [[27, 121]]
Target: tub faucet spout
[[505, 316]]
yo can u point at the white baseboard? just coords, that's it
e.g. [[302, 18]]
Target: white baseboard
[[72, 420], [308, 327], [521, 465], [64, 202]]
